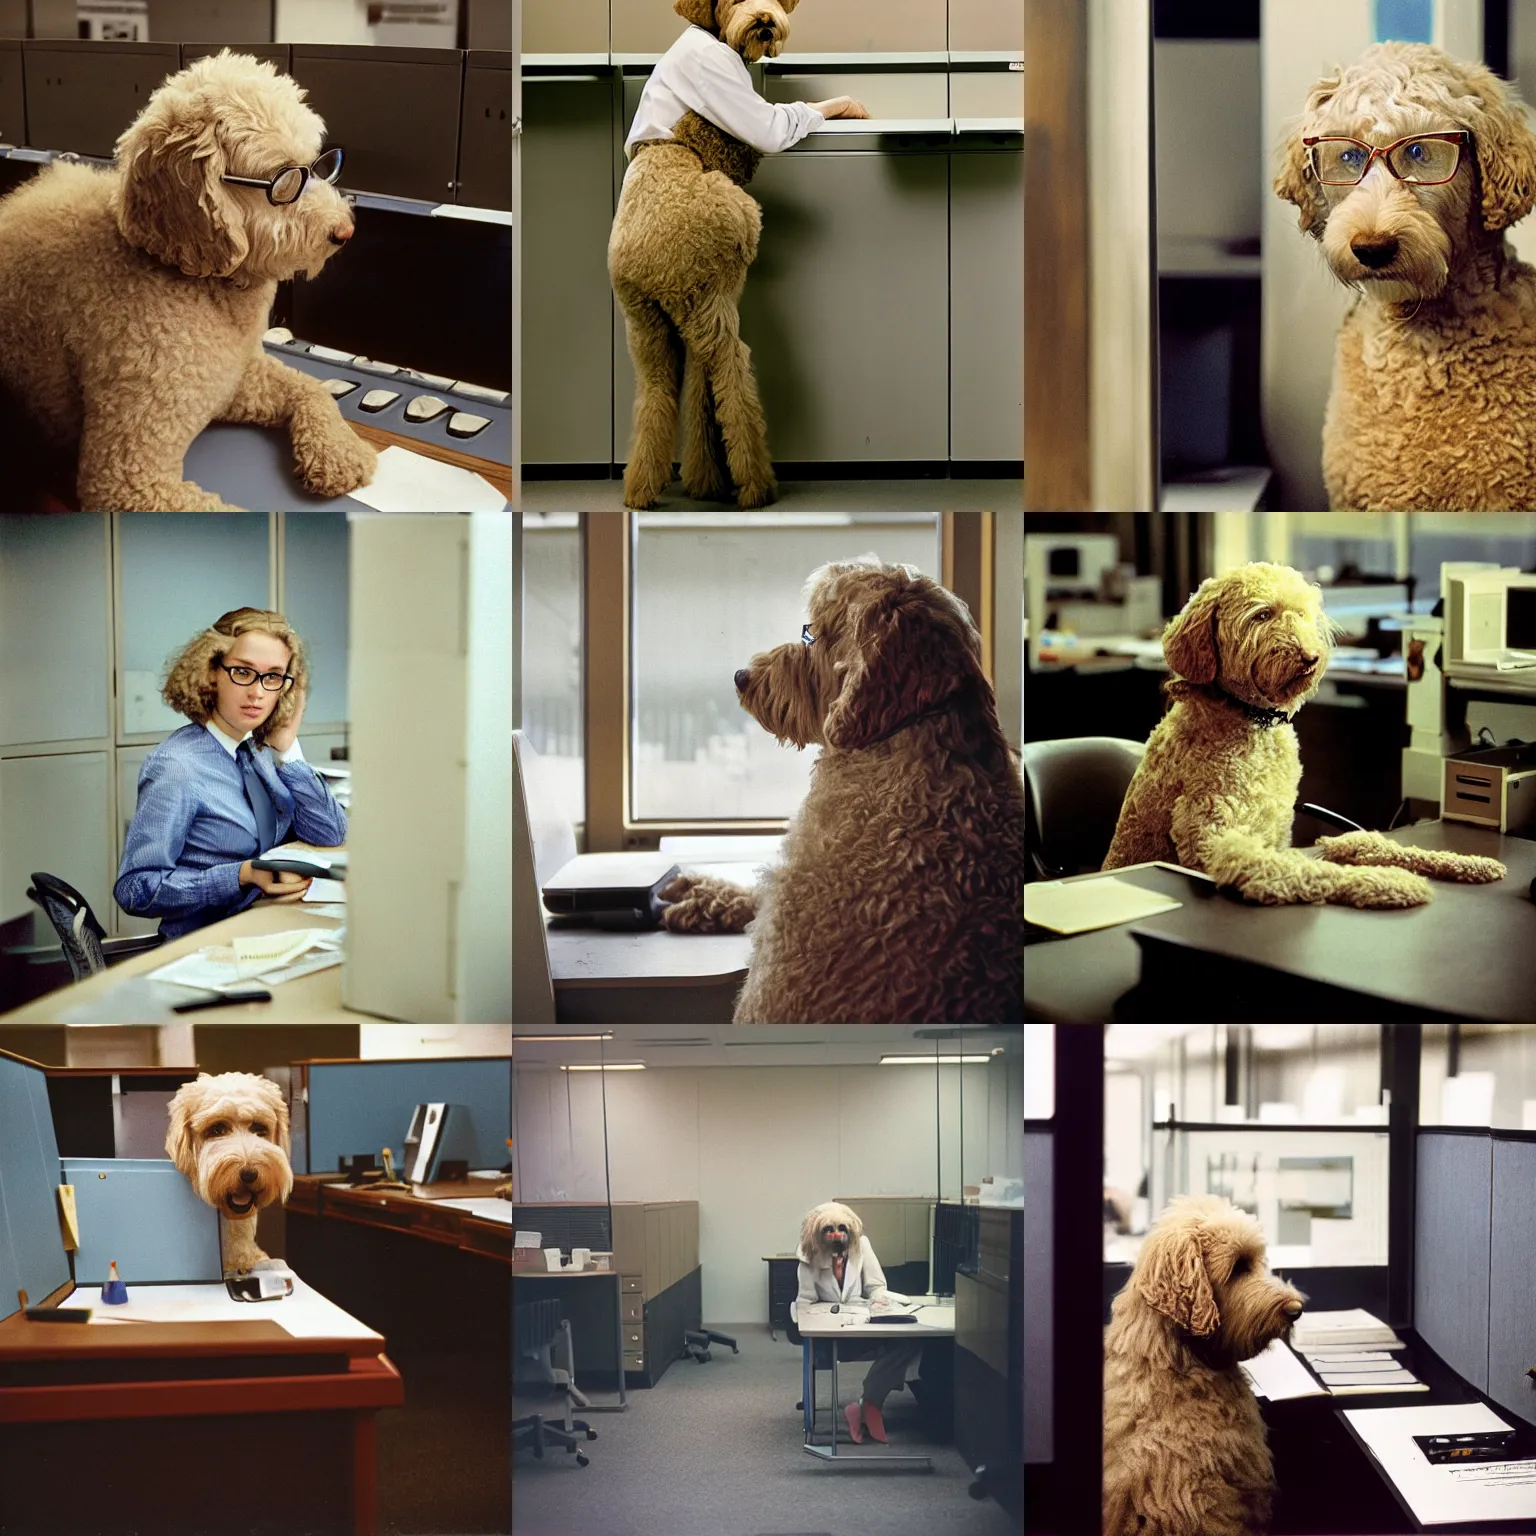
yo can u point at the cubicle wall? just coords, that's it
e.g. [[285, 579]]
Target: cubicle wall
[[1037, 1296], [1474, 1254], [885, 308], [364, 1106], [32, 1256]]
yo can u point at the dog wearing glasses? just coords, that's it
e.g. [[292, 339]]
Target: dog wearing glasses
[[1433, 405], [133, 300], [229, 1135], [900, 892]]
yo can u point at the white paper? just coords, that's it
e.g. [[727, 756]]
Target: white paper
[[321, 889], [411, 482], [1446, 1494], [491, 1208], [527, 1239], [268, 957], [306, 1314], [1082, 905], [1277, 1374]]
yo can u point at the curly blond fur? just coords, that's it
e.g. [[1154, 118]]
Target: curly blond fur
[[812, 1244], [1434, 388], [1216, 789], [683, 237], [900, 893], [229, 1135], [1185, 1452], [191, 685], [132, 301]]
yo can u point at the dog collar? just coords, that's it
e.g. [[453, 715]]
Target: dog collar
[[1260, 715]]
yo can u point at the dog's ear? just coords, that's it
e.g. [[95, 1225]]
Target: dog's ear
[[1189, 642], [1505, 147], [169, 200], [789, 5], [700, 12], [179, 1145], [1171, 1278], [280, 1114], [1294, 180], [808, 1230], [901, 662]]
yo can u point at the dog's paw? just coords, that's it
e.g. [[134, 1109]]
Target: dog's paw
[[709, 484], [699, 904], [757, 493], [334, 461], [1471, 869], [1374, 888]]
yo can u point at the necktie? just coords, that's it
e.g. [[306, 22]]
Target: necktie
[[256, 793]]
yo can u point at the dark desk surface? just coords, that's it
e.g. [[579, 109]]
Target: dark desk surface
[[1330, 1483], [329, 1195], [1464, 956]]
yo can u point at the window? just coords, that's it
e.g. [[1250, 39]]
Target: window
[[708, 592], [552, 680]]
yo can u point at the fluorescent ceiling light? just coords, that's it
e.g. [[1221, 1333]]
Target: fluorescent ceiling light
[[923, 1061], [607, 1036], [609, 1066]]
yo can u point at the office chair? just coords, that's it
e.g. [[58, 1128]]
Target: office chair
[[540, 1330], [696, 1343], [84, 941], [1073, 791]]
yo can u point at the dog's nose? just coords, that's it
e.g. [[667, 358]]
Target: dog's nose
[[343, 232], [1293, 1310], [1374, 250], [1311, 661], [247, 1175], [743, 677]]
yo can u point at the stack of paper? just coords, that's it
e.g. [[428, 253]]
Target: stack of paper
[[1356, 1326], [1352, 1353]]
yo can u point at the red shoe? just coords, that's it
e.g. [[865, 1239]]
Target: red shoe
[[856, 1429], [874, 1423]]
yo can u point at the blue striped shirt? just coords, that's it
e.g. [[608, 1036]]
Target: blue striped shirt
[[194, 827]]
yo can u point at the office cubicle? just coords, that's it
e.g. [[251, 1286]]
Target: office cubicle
[[32, 1256]]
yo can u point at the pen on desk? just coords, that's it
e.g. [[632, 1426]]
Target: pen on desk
[[260, 995]]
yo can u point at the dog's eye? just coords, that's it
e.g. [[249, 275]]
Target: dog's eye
[[1241, 1268], [218, 1128], [1264, 613], [258, 1129]]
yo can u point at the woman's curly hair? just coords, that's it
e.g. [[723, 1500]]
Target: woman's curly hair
[[191, 687]]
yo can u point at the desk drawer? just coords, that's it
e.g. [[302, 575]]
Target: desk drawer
[[633, 1362], [634, 1309], [634, 1338], [635, 1283]]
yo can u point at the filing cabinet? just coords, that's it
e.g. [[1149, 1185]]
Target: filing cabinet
[[986, 26], [870, 26], [569, 26]]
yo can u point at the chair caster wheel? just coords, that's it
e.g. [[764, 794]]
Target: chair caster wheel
[[800, 1406], [591, 1434], [582, 1459], [978, 1489]]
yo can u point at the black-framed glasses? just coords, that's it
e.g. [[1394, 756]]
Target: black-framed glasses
[[1424, 159], [806, 637], [243, 677], [289, 183]]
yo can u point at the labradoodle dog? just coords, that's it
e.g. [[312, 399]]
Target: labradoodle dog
[[1184, 1447], [683, 237], [229, 1135], [133, 301], [1434, 385], [1216, 790], [899, 898]]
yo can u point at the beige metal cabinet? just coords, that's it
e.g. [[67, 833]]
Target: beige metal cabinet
[[870, 26], [568, 26], [55, 819], [644, 26], [978, 26], [886, 95], [986, 333], [567, 312]]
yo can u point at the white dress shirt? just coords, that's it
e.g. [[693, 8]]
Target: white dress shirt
[[863, 1279], [294, 754], [699, 73]]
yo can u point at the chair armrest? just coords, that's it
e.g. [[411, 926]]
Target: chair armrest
[[115, 950]]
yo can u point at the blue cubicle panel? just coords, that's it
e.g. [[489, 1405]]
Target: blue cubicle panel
[[1511, 1334], [32, 1256], [1451, 1250], [142, 1212], [364, 1106], [1038, 1149]]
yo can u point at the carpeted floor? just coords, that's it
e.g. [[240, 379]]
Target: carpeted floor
[[716, 1450], [809, 495]]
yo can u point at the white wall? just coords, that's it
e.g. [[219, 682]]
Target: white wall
[[758, 1147], [380, 1042]]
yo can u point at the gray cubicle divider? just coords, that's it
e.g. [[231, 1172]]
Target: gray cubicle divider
[[1511, 1332], [1451, 1250], [32, 1256], [143, 1213], [1038, 1149], [363, 1106]]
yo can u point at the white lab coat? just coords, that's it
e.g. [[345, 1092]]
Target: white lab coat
[[699, 73], [863, 1279]]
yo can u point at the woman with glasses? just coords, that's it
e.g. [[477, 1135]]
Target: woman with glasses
[[234, 784]]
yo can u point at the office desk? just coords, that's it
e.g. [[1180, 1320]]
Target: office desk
[[535, 1283], [935, 1321], [312, 999], [783, 1287], [395, 1210], [1462, 957], [86, 1409]]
